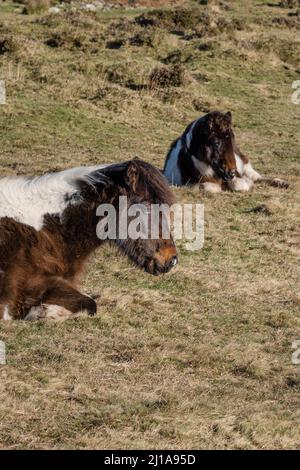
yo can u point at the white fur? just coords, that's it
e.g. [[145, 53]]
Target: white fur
[[172, 171], [27, 200], [239, 164], [6, 315], [36, 313], [49, 312], [240, 184], [212, 187], [204, 168], [246, 169], [251, 173]]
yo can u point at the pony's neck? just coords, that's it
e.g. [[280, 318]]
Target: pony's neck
[[77, 231]]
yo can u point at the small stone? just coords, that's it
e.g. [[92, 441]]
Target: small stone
[[89, 7], [54, 10]]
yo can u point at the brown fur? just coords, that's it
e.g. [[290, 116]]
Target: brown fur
[[45, 266]]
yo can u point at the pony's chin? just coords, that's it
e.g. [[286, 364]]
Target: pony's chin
[[154, 268]]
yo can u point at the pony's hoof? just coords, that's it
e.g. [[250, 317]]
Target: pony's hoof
[[89, 306], [279, 183]]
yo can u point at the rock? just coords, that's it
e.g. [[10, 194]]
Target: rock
[[89, 7], [54, 10]]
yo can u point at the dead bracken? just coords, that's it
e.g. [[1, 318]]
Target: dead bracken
[[35, 6], [8, 45], [164, 77], [261, 209]]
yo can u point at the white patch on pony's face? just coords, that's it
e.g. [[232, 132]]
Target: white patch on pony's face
[[204, 168], [212, 187], [172, 171], [6, 315], [240, 184], [251, 173], [28, 200]]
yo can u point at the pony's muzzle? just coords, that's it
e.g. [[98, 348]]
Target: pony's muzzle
[[170, 264], [173, 261], [163, 261], [227, 175]]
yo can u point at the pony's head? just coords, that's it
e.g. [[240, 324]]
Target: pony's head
[[213, 140], [144, 187]]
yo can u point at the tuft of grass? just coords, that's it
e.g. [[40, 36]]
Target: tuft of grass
[[165, 77], [289, 3], [9, 45], [36, 6]]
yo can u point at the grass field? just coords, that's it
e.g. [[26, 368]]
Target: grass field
[[201, 357]]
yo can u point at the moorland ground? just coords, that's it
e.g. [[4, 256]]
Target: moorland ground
[[201, 357]]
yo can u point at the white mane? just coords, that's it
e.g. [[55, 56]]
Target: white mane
[[28, 200]]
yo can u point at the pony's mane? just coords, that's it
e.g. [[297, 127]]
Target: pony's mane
[[154, 184], [215, 121], [29, 199]]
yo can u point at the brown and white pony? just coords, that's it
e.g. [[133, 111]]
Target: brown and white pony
[[48, 232], [206, 154]]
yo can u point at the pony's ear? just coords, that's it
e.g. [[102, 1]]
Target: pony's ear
[[132, 176], [228, 116]]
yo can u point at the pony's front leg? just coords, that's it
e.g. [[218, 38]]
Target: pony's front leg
[[245, 168], [210, 184], [61, 301], [240, 184]]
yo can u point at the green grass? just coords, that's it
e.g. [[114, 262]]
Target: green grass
[[10, 7], [199, 358]]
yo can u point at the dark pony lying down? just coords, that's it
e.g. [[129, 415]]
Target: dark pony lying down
[[48, 232], [207, 154]]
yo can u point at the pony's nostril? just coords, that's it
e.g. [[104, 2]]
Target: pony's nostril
[[228, 174]]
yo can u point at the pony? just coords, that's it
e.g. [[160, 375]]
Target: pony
[[48, 232], [207, 154]]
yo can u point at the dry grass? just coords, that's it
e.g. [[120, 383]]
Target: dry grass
[[166, 77], [201, 357], [36, 6]]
